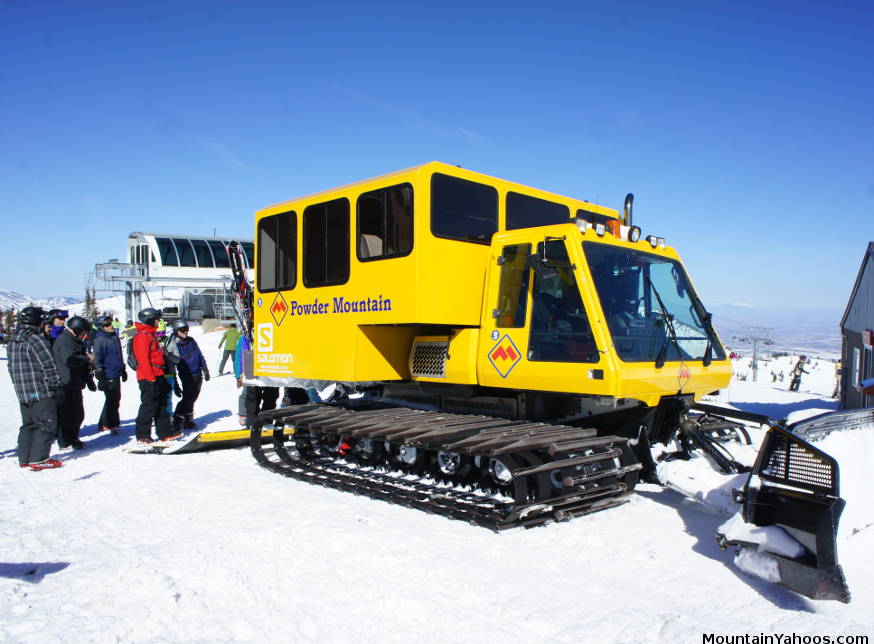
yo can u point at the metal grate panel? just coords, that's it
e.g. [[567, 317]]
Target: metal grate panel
[[429, 359], [792, 462]]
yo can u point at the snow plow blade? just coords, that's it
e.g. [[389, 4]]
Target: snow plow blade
[[796, 487]]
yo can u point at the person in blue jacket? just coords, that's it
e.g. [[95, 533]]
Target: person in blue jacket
[[191, 371], [58, 319], [109, 370]]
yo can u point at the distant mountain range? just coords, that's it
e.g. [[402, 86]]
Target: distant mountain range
[[13, 300], [801, 331]]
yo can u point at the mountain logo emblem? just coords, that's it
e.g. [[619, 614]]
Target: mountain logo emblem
[[278, 309], [504, 356]]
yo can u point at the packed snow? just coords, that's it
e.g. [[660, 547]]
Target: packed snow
[[210, 547]]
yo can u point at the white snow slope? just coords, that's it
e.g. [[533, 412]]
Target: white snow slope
[[209, 547]]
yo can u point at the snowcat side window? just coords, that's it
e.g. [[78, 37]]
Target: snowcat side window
[[385, 223], [168, 251], [326, 244], [525, 211], [277, 252], [462, 209], [593, 217], [560, 330], [513, 293]]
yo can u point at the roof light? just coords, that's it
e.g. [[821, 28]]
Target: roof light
[[600, 229], [661, 242], [634, 234], [652, 240]]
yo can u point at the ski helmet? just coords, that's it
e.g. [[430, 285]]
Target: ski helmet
[[58, 313], [103, 320], [180, 325], [149, 316], [31, 315], [78, 325]]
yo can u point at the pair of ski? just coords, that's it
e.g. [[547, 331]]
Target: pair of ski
[[161, 447]]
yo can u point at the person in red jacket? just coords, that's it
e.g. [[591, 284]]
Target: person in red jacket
[[154, 389]]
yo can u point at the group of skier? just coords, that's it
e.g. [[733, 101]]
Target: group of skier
[[53, 357]]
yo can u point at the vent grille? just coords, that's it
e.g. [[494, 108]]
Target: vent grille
[[793, 463], [429, 359], [552, 408]]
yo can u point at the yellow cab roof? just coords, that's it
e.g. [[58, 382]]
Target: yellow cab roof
[[438, 165]]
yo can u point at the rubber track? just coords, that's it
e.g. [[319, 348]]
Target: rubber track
[[478, 508]]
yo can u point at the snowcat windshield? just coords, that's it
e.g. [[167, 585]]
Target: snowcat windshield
[[652, 312]]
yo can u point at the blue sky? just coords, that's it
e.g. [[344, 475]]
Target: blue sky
[[745, 130]]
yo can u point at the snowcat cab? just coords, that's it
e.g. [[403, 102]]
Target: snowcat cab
[[515, 351]]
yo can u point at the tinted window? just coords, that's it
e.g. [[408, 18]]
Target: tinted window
[[326, 243], [185, 251], [560, 330], [524, 211], [385, 223], [463, 209], [513, 294], [168, 252], [277, 252], [249, 252], [593, 217], [204, 257], [220, 254]]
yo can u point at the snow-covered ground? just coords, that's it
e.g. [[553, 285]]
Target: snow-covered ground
[[117, 547]]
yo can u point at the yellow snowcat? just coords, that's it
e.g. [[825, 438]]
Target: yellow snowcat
[[499, 354]]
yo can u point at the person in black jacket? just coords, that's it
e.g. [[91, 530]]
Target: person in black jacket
[[191, 370], [36, 381], [74, 368], [110, 371]]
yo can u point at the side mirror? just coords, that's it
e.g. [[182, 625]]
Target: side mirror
[[544, 271]]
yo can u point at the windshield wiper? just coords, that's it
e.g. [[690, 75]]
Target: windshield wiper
[[708, 351], [669, 321]]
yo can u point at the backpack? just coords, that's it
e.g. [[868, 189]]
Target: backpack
[[131, 359]]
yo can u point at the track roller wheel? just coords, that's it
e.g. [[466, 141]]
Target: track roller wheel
[[367, 451], [409, 459], [451, 467]]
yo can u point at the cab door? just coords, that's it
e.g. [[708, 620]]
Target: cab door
[[536, 332]]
